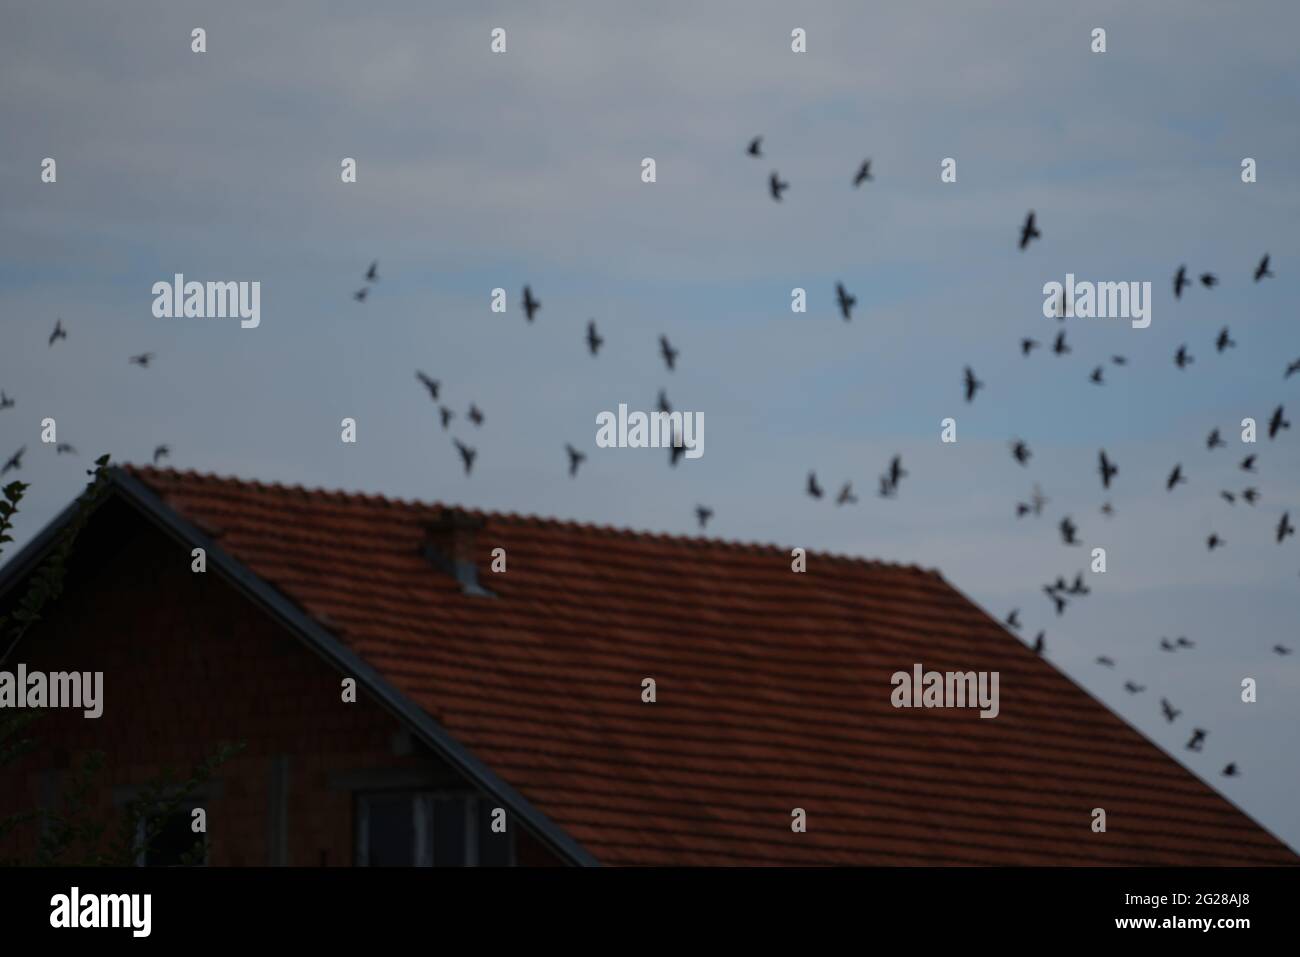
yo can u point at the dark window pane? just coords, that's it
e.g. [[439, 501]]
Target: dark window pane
[[494, 850], [391, 823], [449, 832]]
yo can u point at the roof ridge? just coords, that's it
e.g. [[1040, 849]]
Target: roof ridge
[[147, 472]]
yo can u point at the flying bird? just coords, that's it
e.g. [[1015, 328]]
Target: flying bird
[[1183, 358], [973, 384], [1040, 642], [1105, 662], [887, 489], [668, 352], [1198, 738], [896, 471], [1184, 643], [1107, 509], [846, 301], [1214, 541], [1059, 346], [1029, 230], [1167, 645], [1132, 688], [1027, 346], [1251, 495], [1013, 619], [531, 305], [1107, 469], [1079, 588], [1291, 369], [776, 186], [467, 454], [1276, 423], [1228, 497], [663, 402], [1119, 360], [5, 401], [143, 359], [755, 146], [1248, 463], [1020, 452], [863, 174], [576, 458], [474, 415], [1262, 269], [1175, 478], [1170, 711], [814, 489], [1096, 377], [1230, 771], [1284, 527], [703, 514], [447, 415], [15, 462], [1224, 341], [1214, 441], [59, 332], [360, 294], [594, 341], [1068, 531], [64, 447], [372, 274], [846, 496], [1180, 281], [1209, 280], [431, 384], [161, 452], [1281, 649]]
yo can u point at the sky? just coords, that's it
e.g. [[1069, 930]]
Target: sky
[[479, 171]]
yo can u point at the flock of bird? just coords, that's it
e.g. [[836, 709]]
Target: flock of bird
[[1059, 592]]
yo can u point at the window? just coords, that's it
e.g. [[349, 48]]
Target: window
[[427, 829]]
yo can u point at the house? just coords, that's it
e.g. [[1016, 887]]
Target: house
[[532, 691]]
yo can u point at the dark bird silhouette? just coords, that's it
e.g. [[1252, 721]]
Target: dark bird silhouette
[[668, 352], [1020, 452], [1059, 346], [1281, 649], [1214, 541], [663, 402], [372, 274], [896, 471], [1107, 509], [1170, 711], [1180, 281], [677, 449], [143, 359], [1214, 441], [1228, 497], [1057, 599], [814, 489], [15, 462], [1230, 771], [1175, 478], [5, 401], [1198, 738], [1027, 346], [1183, 358], [1068, 531], [1251, 495], [1022, 509], [1079, 588], [776, 186], [703, 514], [1132, 688], [1224, 341], [1248, 463], [863, 174], [1167, 645], [1209, 280], [161, 452], [1105, 662], [1029, 230], [467, 454], [360, 294], [576, 458], [1284, 527], [1096, 377], [1291, 369], [531, 305], [755, 147], [594, 341], [846, 496], [1184, 643], [447, 415], [64, 447], [887, 489], [1107, 469], [846, 301], [1262, 269], [973, 384], [431, 384], [1040, 642], [1013, 619], [1119, 360], [59, 332], [474, 415], [1276, 423]]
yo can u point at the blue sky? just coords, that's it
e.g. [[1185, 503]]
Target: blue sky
[[478, 171]]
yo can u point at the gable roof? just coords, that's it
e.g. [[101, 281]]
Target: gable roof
[[773, 692]]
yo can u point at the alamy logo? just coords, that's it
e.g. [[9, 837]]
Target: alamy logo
[[58, 689], [210, 300], [652, 430], [946, 689], [75, 909], [1101, 300]]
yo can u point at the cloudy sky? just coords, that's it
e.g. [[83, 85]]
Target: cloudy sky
[[479, 171]]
